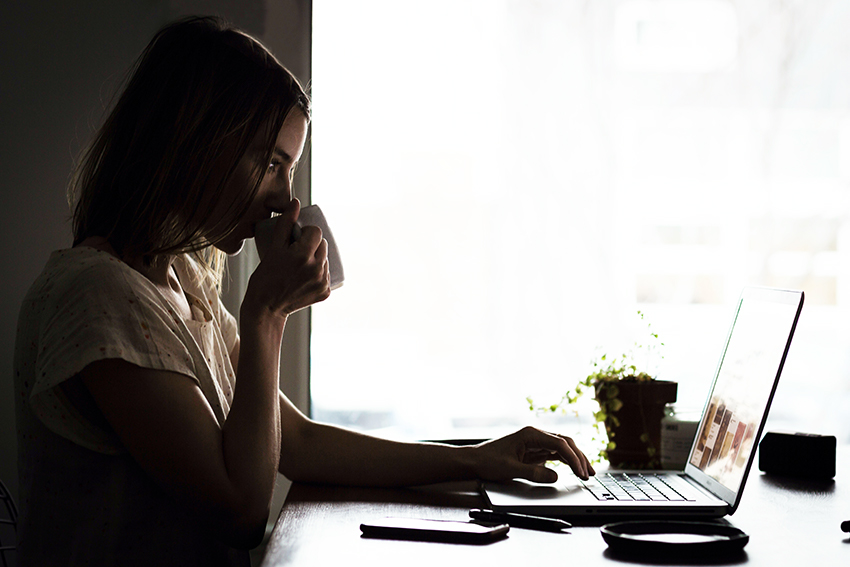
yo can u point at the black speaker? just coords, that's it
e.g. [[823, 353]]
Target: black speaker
[[804, 455]]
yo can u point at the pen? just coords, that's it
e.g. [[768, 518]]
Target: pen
[[520, 520]]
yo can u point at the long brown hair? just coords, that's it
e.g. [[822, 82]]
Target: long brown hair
[[199, 94]]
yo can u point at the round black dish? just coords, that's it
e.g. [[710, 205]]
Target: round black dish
[[673, 538]]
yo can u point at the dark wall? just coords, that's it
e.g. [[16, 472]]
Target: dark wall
[[60, 63]]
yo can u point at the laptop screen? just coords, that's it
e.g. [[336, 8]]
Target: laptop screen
[[744, 384]]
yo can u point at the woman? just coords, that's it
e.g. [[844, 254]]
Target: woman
[[150, 430]]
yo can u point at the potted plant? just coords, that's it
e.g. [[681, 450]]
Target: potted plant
[[631, 404]]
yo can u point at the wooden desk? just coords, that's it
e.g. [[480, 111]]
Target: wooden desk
[[789, 522]]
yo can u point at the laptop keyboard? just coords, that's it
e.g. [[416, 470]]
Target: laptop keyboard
[[622, 486]]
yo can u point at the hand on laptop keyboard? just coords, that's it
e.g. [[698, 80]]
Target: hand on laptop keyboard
[[524, 453]]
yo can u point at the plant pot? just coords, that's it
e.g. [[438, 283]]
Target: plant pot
[[636, 431]]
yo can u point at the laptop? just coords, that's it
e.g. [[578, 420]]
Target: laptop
[[722, 451]]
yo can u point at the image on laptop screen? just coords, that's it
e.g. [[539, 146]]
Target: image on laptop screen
[[742, 390]]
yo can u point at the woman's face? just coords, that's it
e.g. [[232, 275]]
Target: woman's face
[[275, 190]]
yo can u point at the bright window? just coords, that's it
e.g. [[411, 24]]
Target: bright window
[[510, 181]]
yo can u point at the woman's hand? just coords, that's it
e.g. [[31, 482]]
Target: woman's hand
[[523, 454], [292, 275]]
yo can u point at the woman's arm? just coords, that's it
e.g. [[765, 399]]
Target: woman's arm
[[322, 453], [226, 474], [316, 452]]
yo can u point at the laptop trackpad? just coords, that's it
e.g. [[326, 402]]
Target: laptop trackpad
[[528, 491]]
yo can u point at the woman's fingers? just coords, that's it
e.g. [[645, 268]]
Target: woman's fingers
[[563, 447], [524, 453], [582, 456]]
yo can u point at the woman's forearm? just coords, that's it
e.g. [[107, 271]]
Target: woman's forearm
[[251, 433], [322, 453]]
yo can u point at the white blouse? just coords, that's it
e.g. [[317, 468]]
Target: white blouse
[[83, 499]]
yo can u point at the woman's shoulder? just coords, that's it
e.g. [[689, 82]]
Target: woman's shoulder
[[82, 275], [83, 265]]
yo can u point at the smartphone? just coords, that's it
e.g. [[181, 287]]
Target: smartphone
[[309, 216], [449, 531]]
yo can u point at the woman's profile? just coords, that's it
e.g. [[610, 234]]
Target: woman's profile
[[151, 429]]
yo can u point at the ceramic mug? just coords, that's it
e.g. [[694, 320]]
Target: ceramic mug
[[309, 216]]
